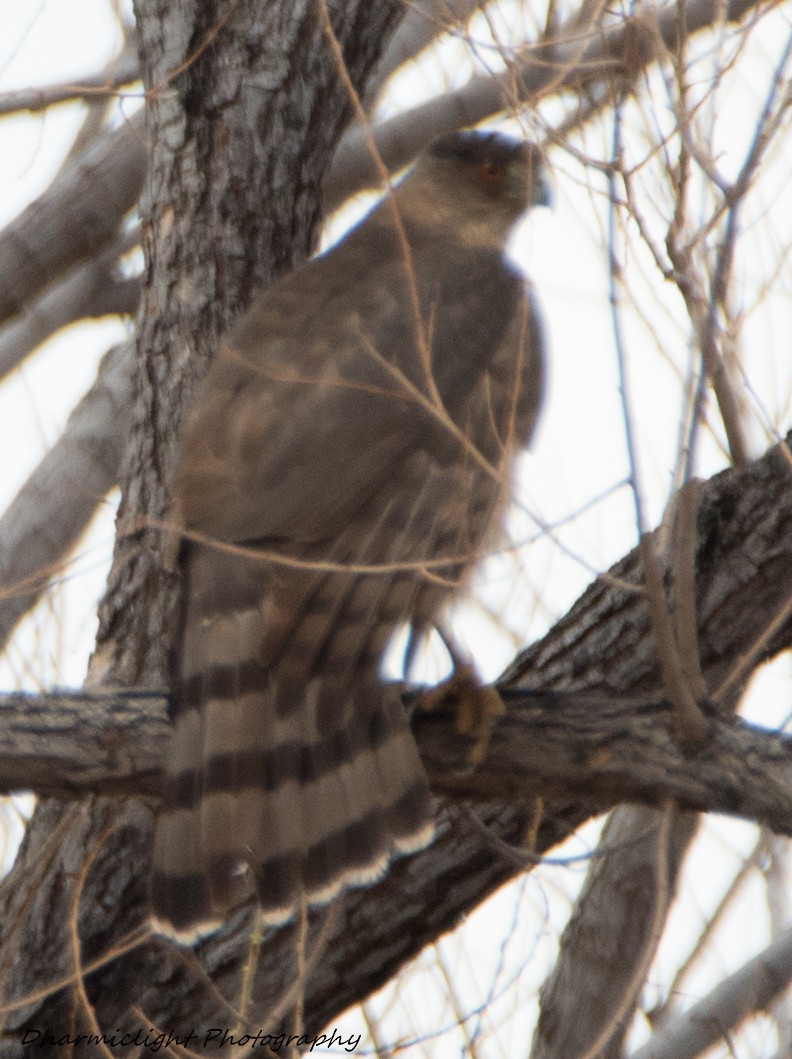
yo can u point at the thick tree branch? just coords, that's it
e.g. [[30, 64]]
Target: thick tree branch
[[424, 22], [603, 747], [744, 574], [579, 62], [566, 746], [51, 510], [743, 580], [580, 1005], [91, 289], [78, 214], [753, 988]]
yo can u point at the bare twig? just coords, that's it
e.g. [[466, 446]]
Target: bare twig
[[666, 1012], [425, 21], [582, 66], [752, 988], [123, 70]]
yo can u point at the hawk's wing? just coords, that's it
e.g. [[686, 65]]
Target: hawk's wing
[[308, 410]]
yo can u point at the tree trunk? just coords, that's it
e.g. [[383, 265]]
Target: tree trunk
[[244, 106]]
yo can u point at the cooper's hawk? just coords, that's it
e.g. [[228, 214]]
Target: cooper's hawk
[[345, 464]]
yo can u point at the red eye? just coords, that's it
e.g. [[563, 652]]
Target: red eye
[[490, 172]]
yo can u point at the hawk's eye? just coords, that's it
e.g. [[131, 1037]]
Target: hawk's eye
[[490, 172]]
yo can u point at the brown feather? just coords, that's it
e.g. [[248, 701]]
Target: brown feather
[[317, 443]]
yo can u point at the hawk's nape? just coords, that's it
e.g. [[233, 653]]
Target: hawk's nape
[[345, 465]]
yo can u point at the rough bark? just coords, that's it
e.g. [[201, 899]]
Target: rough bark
[[560, 745], [744, 516], [232, 121], [620, 915], [245, 105], [622, 935], [51, 234]]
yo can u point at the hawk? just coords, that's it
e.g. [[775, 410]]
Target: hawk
[[344, 466]]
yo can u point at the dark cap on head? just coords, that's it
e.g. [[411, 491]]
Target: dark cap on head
[[477, 146], [494, 151]]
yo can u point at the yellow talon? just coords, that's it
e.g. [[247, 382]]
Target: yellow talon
[[476, 707]]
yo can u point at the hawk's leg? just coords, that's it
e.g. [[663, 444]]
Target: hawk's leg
[[476, 705]]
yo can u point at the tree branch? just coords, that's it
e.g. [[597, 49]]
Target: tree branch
[[78, 214], [753, 988], [51, 510], [744, 574], [424, 22], [91, 289], [566, 746], [578, 62], [123, 70]]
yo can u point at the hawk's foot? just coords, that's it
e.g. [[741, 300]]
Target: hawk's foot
[[476, 707]]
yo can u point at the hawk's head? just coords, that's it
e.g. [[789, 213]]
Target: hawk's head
[[494, 165], [478, 182]]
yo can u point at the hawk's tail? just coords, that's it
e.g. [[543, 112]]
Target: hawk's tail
[[281, 783]]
